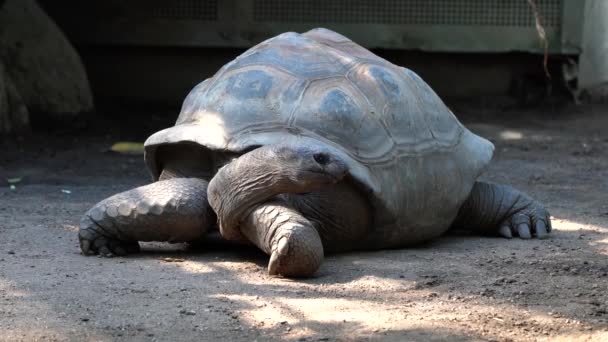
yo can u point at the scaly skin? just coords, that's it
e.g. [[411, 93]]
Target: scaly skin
[[288, 237], [342, 215], [238, 191], [174, 210], [501, 209]]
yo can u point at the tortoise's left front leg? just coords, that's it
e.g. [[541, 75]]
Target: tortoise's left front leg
[[503, 210]]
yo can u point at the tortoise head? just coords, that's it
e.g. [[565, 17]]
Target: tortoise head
[[307, 167], [267, 171]]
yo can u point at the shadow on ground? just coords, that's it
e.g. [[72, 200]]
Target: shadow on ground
[[457, 288]]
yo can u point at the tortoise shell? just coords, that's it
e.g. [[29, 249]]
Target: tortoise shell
[[404, 147]]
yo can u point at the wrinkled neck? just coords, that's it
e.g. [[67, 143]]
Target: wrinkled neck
[[244, 183]]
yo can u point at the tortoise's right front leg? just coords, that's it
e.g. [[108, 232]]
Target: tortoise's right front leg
[[291, 240], [173, 210]]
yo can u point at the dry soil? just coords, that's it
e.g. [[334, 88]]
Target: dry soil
[[456, 288]]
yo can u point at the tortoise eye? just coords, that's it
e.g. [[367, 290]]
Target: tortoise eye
[[321, 158]]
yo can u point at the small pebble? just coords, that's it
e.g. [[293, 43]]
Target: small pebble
[[187, 312]]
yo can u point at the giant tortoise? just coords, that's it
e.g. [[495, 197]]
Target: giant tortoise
[[305, 144]]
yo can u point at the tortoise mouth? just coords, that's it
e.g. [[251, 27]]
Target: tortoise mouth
[[314, 180], [333, 178]]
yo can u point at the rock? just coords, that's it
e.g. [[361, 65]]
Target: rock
[[187, 312], [44, 69], [14, 116]]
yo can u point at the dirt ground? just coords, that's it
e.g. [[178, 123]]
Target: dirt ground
[[457, 288]]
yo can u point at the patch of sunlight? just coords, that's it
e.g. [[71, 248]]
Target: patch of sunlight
[[70, 227], [10, 291], [265, 312], [373, 283], [304, 315], [27, 333], [580, 337], [357, 318], [511, 135], [194, 267], [567, 225], [600, 244]]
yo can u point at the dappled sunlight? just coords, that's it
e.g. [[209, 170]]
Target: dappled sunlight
[[511, 135], [9, 290], [24, 331], [563, 224], [194, 267], [350, 317], [71, 227], [596, 235], [303, 316], [398, 293], [375, 283]]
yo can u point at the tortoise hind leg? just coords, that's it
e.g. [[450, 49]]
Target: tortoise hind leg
[[173, 210], [497, 209]]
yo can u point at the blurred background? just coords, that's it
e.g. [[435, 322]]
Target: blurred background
[[151, 53]]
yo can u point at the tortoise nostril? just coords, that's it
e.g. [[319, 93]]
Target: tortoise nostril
[[321, 158]]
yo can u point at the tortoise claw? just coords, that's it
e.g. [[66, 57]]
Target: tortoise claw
[[275, 259], [532, 221], [93, 242]]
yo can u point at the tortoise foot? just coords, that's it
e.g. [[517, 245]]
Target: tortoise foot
[[94, 242], [296, 252], [500, 209], [173, 210], [533, 220], [291, 240]]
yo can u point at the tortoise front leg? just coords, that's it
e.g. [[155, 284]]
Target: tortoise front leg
[[173, 210], [290, 239], [503, 210], [239, 195]]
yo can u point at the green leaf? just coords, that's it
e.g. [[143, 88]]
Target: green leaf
[[128, 147]]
